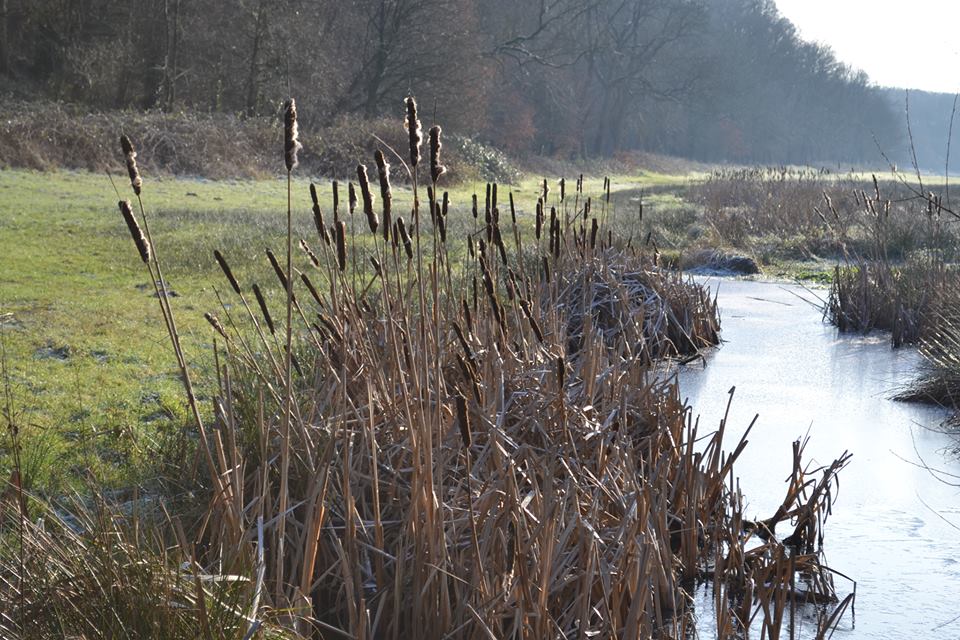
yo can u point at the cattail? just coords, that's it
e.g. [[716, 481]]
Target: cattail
[[367, 196], [335, 186], [215, 323], [342, 245], [594, 227], [580, 184], [561, 372], [471, 358], [467, 316], [436, 168], [310, 254], [475, 212], [226, 270], [312, 289], [563, 189], [143, 246], [276, 268], [263, 308], [513, 211], [351, 198], [376, 266], [546, 269], [525, 307], [493, 198], [291, 134], [130, 156], [414, 131], [608, 190], [538, 229], [445, 207], [463, 419], [441, 227], [386, 196], [318, 216], [498, 243], [405, 237], [486, 212], [545, 190]]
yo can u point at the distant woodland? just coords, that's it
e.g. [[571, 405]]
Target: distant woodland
[[712, 80]]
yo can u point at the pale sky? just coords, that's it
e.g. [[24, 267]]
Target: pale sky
[[912, 45]]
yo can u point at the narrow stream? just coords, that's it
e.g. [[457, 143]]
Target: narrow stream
[[887, 530]]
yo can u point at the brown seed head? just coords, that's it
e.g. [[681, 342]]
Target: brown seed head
[[436, 167], [143, 247], [351, 197], [463, 420], [291, 134], [342, 244], [130, 157], [414, 131], [367, 196], [215, 323], [386, 196], [226, 270]]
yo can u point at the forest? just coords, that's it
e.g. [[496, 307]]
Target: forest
[[716, 81]]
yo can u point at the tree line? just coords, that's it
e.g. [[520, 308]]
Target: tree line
[[718, 80]]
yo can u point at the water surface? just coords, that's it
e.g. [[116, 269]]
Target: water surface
[[887, 531]]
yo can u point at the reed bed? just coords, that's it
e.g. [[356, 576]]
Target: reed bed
[[423, 446], [878, 288]]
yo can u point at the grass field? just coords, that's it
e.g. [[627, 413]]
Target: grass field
[[93, 383]]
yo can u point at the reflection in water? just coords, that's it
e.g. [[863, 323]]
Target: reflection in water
[[801, 377]]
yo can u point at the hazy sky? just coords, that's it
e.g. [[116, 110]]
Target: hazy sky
[[899, 44]]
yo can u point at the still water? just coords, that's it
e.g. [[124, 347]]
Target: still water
[[888, 530]]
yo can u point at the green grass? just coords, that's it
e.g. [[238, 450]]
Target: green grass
[[93, 379]]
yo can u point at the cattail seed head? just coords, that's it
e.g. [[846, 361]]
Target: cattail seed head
[[215, 323], [351, 197], [405, 237], [545, 190], [475, 211], [367, 196], [263, 308], [226, 270], [436, 167], [386, 196], [291, 134], [563, 189], [143, 246], [342, 244], [310, 254], [463, 420], [318, 216], [335, 186], [413, 131], [130, 157], [281, 276]]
